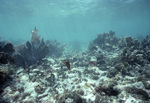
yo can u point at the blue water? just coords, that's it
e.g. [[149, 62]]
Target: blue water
[[73, 20]]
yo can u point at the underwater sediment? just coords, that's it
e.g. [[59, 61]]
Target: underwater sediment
[[112, 70]]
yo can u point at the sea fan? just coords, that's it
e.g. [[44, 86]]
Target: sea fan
[[32, 51]]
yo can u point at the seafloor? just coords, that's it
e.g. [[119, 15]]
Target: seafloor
[[112, 70]]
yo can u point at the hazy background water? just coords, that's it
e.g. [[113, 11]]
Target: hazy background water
[[73, 21]]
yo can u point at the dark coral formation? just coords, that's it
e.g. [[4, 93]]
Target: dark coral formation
[[107, 88], [7, 48], [146, 46], [114, 70], [6, 72], [133, 55], [32, 51], [5, 58], [69, 97], [133, 58], [3, 75], [138, 93], [106, 41], [133, 52], [6, 53]]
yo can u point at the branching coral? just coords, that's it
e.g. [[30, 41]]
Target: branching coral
[[134, 56], [106, 41], [133, 52], [146, 46], [56, 49]]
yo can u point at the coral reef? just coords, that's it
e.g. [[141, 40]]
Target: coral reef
[[116, 74], [56, 49], [146, 46], [5, 58], [138, 93], [106, 41], [69, 97], [107, 88], [132, 53], [3, 75], [6, 79], [132, 58], [6, 48], [6, 53]]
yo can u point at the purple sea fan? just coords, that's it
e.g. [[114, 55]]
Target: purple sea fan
[[32, 51]]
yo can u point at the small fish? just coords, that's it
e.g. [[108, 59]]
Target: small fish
[[67, 63], [92, 63]]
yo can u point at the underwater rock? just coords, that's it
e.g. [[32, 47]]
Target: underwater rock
[[6, 52], [147, 85], [87, 71], [107, 88], [95, 77], [29, 100], [24, 95], [39, 89], [138, 93], [69, 97], [50, 79], [146, 71], [6, 70], [7, 48], [141, 78], [5, 58], [103, 99], [4, 101], [80, 92], [112, 72], [3, 75]]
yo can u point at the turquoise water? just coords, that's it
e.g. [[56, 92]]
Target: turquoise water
[[73, 20], [81, 65]]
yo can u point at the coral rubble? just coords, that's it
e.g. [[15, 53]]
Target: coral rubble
[[113, 70]]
